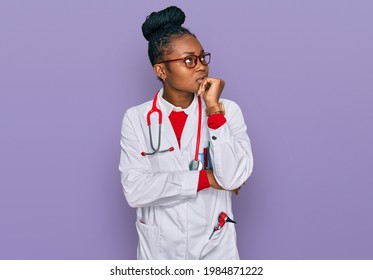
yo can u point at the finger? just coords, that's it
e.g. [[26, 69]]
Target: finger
[[200, 89], [203, 85], [207, 86]]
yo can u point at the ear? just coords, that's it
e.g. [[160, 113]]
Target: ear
[[160, 71]]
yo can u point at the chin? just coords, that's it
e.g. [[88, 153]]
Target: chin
[[191, 91], [195, 90]]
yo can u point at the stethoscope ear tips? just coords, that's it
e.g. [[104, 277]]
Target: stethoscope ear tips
[[143, 154], [171, 149]]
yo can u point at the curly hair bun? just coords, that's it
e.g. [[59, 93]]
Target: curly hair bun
[[171, 16]]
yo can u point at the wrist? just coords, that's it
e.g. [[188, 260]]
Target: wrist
[[215, 109], [211, 103]]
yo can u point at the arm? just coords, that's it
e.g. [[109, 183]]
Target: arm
[[230, 146], [141, 186], [231, 150], [215, 185]]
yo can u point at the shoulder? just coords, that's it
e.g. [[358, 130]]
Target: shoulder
[[138, 111]]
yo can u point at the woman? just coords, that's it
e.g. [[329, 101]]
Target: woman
[[180, 176]]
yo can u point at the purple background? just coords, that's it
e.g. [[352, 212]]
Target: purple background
[[302, 73]]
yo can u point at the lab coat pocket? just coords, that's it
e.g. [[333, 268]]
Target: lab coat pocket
[[165, 162], [222, 245], [148, 247], [217, 235]]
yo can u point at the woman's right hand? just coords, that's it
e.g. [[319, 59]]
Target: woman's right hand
[[210, 90]]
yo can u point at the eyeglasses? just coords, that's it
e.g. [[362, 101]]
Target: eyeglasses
[[191, 60]]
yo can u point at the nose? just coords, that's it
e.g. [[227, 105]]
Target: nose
[[200, 66]]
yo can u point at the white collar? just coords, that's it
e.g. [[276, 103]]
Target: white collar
[[167, 107]]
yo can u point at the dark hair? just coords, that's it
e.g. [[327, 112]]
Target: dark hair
[[160, 28]]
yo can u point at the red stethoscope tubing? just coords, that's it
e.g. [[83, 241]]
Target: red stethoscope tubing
[[199, 127], [154, 109]]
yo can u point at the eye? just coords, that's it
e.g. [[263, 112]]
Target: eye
[[189, 59], [205, 58]]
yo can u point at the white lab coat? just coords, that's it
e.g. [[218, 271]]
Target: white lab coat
[[173, 220]]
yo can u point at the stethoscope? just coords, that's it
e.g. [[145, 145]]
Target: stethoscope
[[195, 164]]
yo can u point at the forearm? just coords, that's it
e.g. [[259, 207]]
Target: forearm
[[231, 150], [147, 189]]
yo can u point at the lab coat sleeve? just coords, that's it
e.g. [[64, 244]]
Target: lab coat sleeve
[[231, 149], [141, 186]]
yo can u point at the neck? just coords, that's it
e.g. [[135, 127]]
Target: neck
[[178, 99]]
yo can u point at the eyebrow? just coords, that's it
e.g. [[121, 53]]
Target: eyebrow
[[202, 51]]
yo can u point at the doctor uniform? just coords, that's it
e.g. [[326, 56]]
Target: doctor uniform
[[175, 219]]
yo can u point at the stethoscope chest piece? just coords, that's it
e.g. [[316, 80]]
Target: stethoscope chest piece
[[195, 165]]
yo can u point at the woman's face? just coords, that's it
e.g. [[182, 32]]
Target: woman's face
[[178, 77]]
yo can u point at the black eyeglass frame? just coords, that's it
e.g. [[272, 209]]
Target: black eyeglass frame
[[195, 57]]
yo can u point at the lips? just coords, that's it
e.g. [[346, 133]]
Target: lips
[[200, 79]]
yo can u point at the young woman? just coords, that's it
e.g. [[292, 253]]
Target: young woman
[[183, 153]]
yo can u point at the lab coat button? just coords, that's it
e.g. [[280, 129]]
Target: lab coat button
[[214, 138]]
